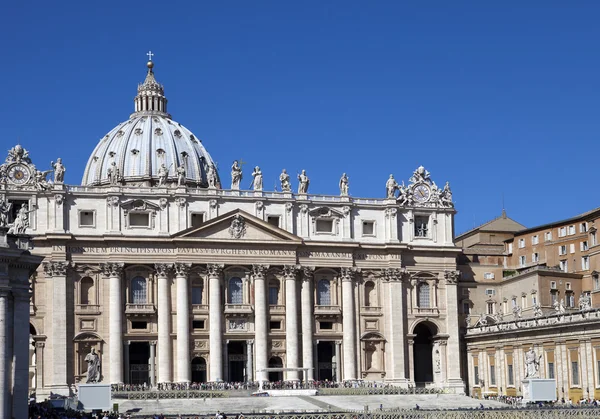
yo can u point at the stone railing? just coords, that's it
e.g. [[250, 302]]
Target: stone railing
[[327, 309], [426, 311], [87, 309], [238, 308], [199, 308], [370, 310], [140, 308], [277, 308], [555, 319]]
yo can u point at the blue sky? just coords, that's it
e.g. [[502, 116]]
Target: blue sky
[[501, 98]]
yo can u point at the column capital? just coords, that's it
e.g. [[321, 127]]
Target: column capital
[[215, 269], [112, 269], [182, 269], [348, 274], [152, 343], [394, 274], [58, 268], [290, 271], [338, 342], [452, 277], [259, 271], [308, 273], [162, 269], [250, 342]]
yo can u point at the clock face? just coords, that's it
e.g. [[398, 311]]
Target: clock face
[[421, 193], [19, 174]]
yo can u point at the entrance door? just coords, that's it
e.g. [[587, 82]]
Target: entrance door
[[422, 353], [237, 361], [325, 361], [139, 363], [198, 370], [275, 362]]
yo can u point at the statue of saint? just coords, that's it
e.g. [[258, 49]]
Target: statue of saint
[[532, 364], [113, 173], [236, 175], [304, 181], [163, 172], [284, 178], [181, 173], [344, 185], [537, 311], [211, 174], [21, 222], [59, 170], [257, 184], [5, 207], [93, 371], [446, 196], [391, 186]]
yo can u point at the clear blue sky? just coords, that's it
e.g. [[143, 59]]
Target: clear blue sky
[[497, 97]]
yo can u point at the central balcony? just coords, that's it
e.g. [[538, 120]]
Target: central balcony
[[140, 308], [238, 309], [327, 310]]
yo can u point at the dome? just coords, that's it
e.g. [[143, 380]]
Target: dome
[[139, 147]]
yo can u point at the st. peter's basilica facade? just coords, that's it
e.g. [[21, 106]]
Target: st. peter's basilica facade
[[173, 274]]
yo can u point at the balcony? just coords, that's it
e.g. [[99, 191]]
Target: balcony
[[140, 309], [87, 309], [199, 308], [277, 308], [371, 311], [426, 311], [327, 310], [238, 309]]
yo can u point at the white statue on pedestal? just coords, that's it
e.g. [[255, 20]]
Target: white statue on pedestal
[[236, 175], [59, 170], [5, 207], [304, 181], [181, 174], [532, 364], [391, 186], [163, 172], [284, 178], [344, 185], [257, 184]]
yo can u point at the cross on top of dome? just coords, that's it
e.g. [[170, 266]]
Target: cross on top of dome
[[151, 94]]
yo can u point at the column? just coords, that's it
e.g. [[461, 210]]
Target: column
[[226, 360], [113, 271], [126, 368], [411, 357], [152, 364], [39, 365], [164, 323], [21, 353], [249, 361], [454, 378], [338, 361], [184, 367], [215, 322], [307, 322], [291, 321], [260, 321], [58, 338], [347, 276], [5, 358], [395, 277]]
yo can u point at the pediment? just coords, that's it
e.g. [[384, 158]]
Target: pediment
[[238, 225], [325, 212], [140, 205]]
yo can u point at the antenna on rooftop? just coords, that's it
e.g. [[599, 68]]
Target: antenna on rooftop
[[503, 208]]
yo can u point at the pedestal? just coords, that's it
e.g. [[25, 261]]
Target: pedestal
[[95, 396], [539, 390]]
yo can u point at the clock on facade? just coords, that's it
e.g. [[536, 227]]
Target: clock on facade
[[19, 174], [421, 193]]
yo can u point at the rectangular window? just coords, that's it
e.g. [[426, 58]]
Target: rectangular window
[[139, 219], [562, 232], [585, 263], [476, 375], [522, 260], [273, 296], [424, 295], [197, 218], [198, 324], [596, 280], [583, 228], [533, 300], [553, 296], [535, 258], [489, 292], [275, 325], [514, 302], [575, 372], [572, 247], [562, 250], [466, 308], [326, 325], [535, 239], [368, 228], [196, 295], [490, 308], [86, 219], [583, 246], [550, 370], [570, 300], [564, 265], [488, 275], [511, 381], [593, 238], [324, 226], [523, 301], [521, 243], [510, 248], [548, 236], [492, 375], [571, 230], [421, 226], [273, 220], [139, 325]]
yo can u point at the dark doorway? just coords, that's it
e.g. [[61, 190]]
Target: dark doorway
[[237, 360], [422, 352], [325, 361], [275, 362], [139, 365], [198, 370]]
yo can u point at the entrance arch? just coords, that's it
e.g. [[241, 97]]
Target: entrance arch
[[275, 362], [423, 352], [198, 370]]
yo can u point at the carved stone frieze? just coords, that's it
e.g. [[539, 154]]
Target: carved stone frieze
[[181, 202], [56, 268], [215, 269], [237, 324], [237, 229], [213, 203], [112, 201], [112, 269], [452, 277], [162, 269], [59, 199], [391, 212], [182, 269], [289, 206], [162, 203], [394, 274]]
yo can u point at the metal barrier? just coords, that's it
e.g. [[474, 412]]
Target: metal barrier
[[168, 394]]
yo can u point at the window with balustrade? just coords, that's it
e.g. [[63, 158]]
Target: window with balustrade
[[236, 292], [423, 295], [324, 292], [139, 290]]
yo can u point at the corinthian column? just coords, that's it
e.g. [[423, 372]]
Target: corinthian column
[[291, 320], [164, 323], [453, 371], [395, 276], [260, 321], [113, 271], [307, 322], [184, 368], [347, 276], [215, 318]]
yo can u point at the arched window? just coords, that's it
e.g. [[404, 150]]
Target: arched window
[[324, 293], [139, 290], [86, 291], [235, 291], [370, 294], [423, 295]]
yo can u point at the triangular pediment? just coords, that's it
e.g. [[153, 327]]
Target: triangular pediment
[[238, 225]]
